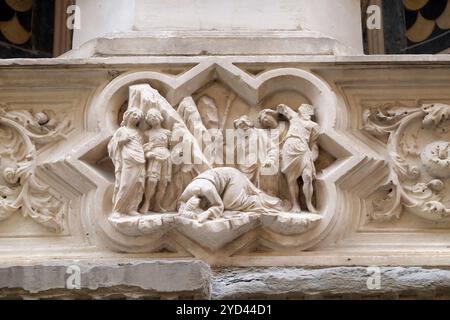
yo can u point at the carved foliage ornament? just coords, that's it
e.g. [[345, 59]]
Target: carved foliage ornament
[[419, 160], [22, 133]]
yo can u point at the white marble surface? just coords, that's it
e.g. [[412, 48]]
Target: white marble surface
[[339, 20]]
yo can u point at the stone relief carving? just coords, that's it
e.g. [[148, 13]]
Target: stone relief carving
[[153, 166], [258, 155], [159, 166], [225, 189], [419, 160], [22, 134], [299, 153], [126, 150]]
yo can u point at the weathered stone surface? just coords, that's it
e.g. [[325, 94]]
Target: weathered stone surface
[[195, 280], [176, 279], [210, 43], [331, 283]]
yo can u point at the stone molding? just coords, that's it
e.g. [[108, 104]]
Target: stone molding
[[210, 43]]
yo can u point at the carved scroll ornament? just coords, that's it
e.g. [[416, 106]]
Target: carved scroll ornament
[[21, 133], [418, 157]]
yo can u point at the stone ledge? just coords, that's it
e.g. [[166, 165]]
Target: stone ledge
[[134, 280], [194, 280], [210, 43], [382, 61], [330, 283]]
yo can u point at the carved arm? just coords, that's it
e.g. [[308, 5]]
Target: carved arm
[[216, 208], [286, 111]]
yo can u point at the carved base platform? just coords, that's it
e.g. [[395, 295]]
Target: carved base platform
[[217, 233], [142, 225], [289, 224]]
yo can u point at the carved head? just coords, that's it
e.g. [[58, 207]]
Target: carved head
[[243, 123], [193, 204], [132, 117], [306, 111], [268, 119], [192, 207], [154, 118]]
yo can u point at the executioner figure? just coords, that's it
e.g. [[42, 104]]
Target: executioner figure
[[299, 153]]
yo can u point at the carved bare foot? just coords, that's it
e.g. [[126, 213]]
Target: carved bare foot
[[144, 210], [159, 209], [312, 209], [134, 213], [296, 209]]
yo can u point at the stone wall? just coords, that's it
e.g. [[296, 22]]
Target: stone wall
[[350, 171]]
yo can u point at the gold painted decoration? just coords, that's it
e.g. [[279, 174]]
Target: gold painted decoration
[[20, 5], [414, 5], [14, 32], [421, 29]]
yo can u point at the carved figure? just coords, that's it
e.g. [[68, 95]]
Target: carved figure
[[224, 189], [299, 153], [274, 135], [158, 163], [127, 153], [257, 152], [247, 152]]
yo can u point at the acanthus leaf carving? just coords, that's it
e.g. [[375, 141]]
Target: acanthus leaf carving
[[21, 190], [418, 171], [382, 119], [436, 114]]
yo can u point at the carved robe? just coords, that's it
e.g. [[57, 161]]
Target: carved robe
[[255, 148], [228, 189], [126, 151]]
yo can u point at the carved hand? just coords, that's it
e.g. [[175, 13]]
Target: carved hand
[[124, 141], [285, 111], [282, 108]]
